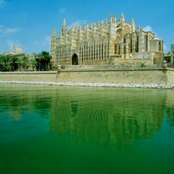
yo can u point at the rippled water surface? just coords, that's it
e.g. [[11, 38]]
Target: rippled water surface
[[64, 130]]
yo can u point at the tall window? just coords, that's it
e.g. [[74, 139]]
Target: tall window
[[82, 53], [159, 46]]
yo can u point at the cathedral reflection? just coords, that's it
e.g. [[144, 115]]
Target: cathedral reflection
[[74, 108], [117, 126], [116, 118]]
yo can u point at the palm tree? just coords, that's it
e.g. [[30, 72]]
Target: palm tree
[[5, 63]]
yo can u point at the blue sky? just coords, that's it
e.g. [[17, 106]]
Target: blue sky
[[29, 23]]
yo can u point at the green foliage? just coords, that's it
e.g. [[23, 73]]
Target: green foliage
[[5, 63], [142, 64], [24, 63], [33, 63], [14, 65], [43, 61]]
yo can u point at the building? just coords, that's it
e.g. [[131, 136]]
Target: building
[[170, 55], [167, 57], [107, 42], [17, 52], [13, 61]]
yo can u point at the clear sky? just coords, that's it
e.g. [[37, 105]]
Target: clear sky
[[29, 23]]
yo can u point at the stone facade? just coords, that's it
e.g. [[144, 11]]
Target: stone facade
[[107, 42], [17, 50]]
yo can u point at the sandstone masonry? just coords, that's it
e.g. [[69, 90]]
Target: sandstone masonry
[[105, 43]]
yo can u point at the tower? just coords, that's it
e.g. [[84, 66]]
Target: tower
[[133, 25], [53, 46], [122, 46], [122, 18], [64, 27]]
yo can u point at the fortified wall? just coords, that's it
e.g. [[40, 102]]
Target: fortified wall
[[93, 75], [99, 74]]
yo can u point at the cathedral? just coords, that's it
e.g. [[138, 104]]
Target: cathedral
[[105, 43]]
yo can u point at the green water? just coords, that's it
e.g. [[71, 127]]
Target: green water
[[64, 130]]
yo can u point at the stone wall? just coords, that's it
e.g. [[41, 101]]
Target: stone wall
[[133, 76], [170, 76], [29, 76], [82, 75], [133, 62]]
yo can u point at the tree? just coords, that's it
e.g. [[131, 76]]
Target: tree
[[40, 62], [33, 63], [24, 63], [5, 63], [43, 60], [14, 65]]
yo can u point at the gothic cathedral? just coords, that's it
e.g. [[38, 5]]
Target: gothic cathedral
[[107, 42]]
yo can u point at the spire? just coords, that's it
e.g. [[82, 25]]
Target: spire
[[110, 17], [132, 22], [115, 18], [54, 32], [133, 25], [84, 26], [64, 27], [64, 23], [122, 18]]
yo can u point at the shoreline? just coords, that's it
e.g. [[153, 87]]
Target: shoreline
[[109, 85]]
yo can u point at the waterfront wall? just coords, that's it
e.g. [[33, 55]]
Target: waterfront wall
[[29, 76], [132, 76], [170, 76], [137, 77], [82, 75]]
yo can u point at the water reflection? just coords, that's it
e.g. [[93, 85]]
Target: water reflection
[[115, 118]]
